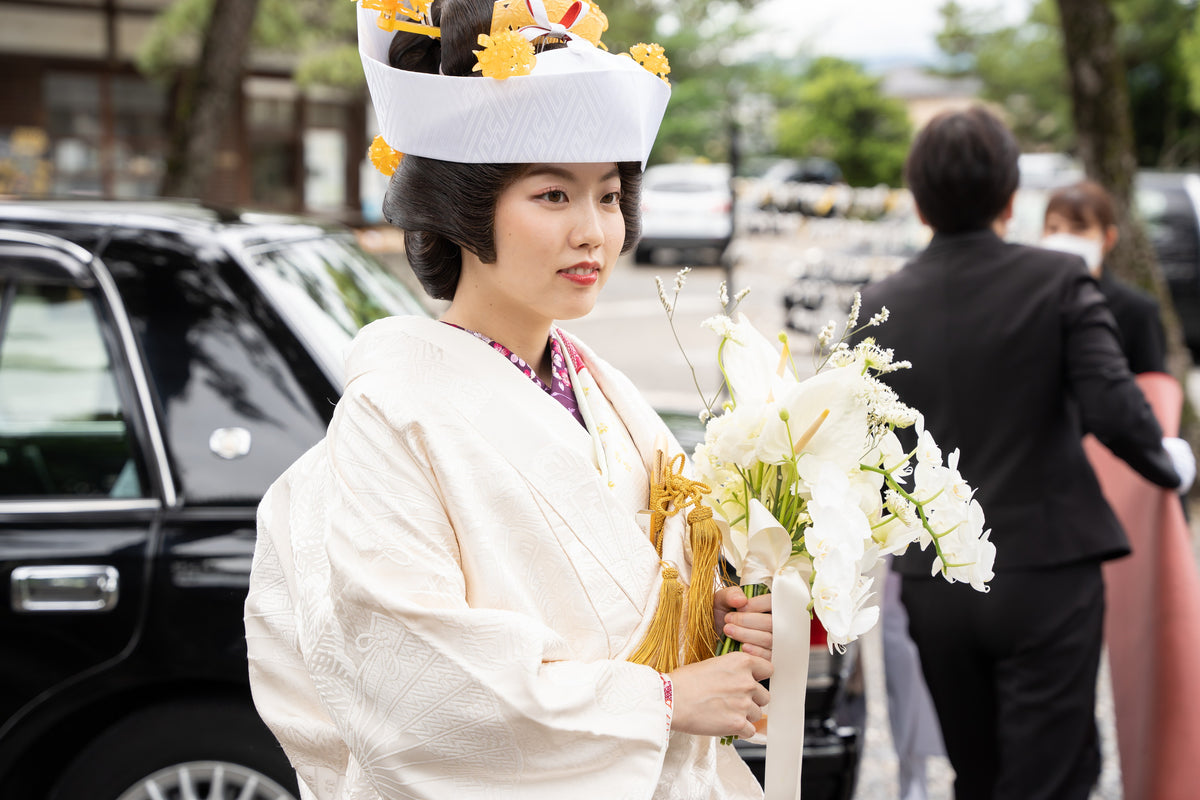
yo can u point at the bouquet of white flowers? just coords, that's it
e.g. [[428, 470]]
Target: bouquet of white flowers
[[811, 486]]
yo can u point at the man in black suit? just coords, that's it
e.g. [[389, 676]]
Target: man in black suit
[[1015, 356]]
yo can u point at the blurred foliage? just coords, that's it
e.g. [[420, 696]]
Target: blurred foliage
[[835, 110], [1022, 70], [321, 31], [706, 85]]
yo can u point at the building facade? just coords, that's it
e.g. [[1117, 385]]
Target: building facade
[[77, 118]]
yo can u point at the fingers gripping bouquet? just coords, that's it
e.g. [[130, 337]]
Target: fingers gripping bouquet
[[809, 474]]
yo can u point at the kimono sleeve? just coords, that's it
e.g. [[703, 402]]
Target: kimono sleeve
[[435, 698]]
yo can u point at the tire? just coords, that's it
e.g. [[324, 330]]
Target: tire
[[208, 750]]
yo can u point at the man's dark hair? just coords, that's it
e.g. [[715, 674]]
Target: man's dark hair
[[445, 207], [962, 170]]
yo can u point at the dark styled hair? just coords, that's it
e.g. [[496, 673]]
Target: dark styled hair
[[962, 170], [445, 207], [1084, 204]]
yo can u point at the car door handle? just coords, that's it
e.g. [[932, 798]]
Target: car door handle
[[65, 587]]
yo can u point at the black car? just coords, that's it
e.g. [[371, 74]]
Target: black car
[[160, 365]]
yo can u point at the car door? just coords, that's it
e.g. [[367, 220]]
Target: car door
[[79, 499]]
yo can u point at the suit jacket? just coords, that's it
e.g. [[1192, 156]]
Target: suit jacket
[[1015, 354], [1139, 323]]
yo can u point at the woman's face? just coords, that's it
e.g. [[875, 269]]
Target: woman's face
[[1056, 223], [559, 231], [1085, 238]]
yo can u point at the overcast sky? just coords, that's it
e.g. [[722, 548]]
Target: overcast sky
[[872, 31]]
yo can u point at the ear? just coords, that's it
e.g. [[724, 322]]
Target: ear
[[1111, 235]]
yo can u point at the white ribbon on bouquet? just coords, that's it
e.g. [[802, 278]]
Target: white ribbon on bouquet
[[764, 553]]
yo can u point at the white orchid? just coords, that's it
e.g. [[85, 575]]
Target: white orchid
[[840, 593]]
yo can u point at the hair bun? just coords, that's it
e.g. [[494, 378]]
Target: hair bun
[[415, 52], [461, 22]]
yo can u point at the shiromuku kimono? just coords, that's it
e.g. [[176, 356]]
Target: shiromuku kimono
[[446, 588]]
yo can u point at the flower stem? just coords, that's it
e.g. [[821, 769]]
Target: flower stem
[[731, 645]]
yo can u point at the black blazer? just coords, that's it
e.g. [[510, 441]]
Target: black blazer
[[1014, 355]]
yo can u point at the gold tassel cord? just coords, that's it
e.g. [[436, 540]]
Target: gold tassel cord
[[670, 493], [700, 639], [660, 648]]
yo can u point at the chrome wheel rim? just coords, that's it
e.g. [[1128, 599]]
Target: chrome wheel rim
[[206, 780]]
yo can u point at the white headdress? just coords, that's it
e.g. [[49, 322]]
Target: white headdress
[[576, 104]]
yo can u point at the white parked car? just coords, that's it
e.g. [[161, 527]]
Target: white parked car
[[686, 208]]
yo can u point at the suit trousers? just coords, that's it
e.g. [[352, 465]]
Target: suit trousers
[[1013, 675]]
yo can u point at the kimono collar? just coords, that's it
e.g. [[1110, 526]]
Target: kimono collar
[[560, 388]]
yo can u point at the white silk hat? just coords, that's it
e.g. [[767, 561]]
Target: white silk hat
[[578, 104]]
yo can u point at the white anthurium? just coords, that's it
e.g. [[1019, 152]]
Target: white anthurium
[[759, 549], [840, 437], [840, 594], [750, 363]]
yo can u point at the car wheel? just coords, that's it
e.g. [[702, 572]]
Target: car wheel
[[182, 751], [643, 255]]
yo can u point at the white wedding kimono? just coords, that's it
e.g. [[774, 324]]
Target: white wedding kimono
[[445, 589]]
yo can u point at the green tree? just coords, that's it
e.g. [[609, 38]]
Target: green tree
[[1021, 68], [1023, 71], [321, 34], [835, 110]]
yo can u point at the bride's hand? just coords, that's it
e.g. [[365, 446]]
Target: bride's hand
[[720, 696], [746, 619]]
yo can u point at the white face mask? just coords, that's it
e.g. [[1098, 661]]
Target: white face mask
[[1089, 250]]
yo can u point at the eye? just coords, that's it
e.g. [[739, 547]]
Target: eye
[[611, 198], [553, 196]]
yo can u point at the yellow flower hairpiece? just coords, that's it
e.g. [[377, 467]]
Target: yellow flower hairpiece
[[652, 57], [391, 11], [385, 159], [582, 19], [505, 54]]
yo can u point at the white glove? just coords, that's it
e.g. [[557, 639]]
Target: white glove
[[1183, 460]]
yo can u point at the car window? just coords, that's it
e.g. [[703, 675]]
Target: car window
[[63, 432], [1171, 227], [330, 289]]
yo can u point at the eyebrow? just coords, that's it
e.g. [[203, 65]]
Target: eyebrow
[[565, 174]]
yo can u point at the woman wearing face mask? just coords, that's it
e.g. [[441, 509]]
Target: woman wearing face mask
[[1153, 596], [1080, 219]]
